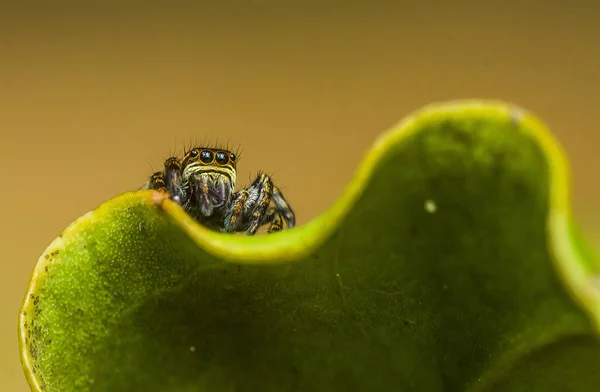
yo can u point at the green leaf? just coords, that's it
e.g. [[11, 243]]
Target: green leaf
[[451, 263]]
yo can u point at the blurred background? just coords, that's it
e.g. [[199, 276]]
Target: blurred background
[[93, 97]]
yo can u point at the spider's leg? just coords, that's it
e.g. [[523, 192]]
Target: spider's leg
[[156, 182], [173, 182], [234, 214], [276, 220], [283, 208], [259, 199]]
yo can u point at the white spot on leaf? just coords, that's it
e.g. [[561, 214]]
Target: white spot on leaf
[[430, 206]]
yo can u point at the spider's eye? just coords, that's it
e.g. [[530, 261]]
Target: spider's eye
[[193, 153], [221, 158], [206, 156], [232, 157]]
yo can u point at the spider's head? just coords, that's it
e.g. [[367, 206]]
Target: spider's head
[[208, 176]]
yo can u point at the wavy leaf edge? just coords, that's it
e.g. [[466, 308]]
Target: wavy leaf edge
[[580, 276]]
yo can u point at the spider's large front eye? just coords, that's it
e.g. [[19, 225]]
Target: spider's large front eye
[[206, 156], [222, 158], [193, 153]]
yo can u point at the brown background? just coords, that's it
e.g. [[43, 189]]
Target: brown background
[[91, 97]]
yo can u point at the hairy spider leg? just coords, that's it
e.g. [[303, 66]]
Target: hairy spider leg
[[173, 179], [233, 216], [168, 180], [283, 208], [156, 182], [276, 219], [275, 216], [259, 199]]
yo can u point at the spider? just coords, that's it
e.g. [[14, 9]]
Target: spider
[[203, 184]]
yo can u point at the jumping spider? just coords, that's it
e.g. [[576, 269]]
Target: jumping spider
[[203, 184]]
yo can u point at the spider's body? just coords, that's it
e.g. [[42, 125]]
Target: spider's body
[[203, 184]]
